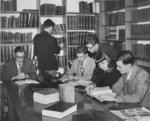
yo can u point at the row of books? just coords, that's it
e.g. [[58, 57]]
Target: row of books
[[52, 9], [85, 7], [77, 38], [17, 37], [140, 31], [141, 15], [61, 60], [25, 19], [8, 5], [141, 51], [136, 2], [111, 5], [120, 46], [81, 22], [71, 53], [110, 32], [116, 18], [7, 52]]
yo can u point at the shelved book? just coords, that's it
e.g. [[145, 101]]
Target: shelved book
[[25, 19], [8, 5], [7, 50], [134, 114], [46, 96], [59, 110]]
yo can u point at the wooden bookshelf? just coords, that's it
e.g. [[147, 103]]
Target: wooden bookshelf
[[112, 22], [82, 20], [19, 24], [132, 17], [23, 18], [137, 30]]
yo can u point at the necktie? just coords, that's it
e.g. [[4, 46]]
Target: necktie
[[19, 69], [82, 69]]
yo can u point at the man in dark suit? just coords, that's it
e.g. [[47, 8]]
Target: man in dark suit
[[19, 68], [45, 48]]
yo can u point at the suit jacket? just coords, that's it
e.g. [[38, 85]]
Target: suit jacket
[[133, 90], [10, 69], [88, 68], [45, 48]]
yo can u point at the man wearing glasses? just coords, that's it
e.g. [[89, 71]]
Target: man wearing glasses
[[95, 47], [20, 67]]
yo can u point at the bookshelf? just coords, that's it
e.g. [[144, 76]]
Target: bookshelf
[[82, 19], [138, 29], [132, 19], [19, 22], [112, 23]]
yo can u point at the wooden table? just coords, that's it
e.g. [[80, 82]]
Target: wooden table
[[27, 110]]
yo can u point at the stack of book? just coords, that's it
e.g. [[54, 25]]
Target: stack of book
[[46, 96], [59, 110]]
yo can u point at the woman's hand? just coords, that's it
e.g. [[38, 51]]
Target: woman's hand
[[90, 88]]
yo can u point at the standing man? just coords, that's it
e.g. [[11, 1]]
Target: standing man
[[20, 67], [45, 48], [95, 47]]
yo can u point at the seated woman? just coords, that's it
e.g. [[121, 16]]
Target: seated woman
[[105, 74]]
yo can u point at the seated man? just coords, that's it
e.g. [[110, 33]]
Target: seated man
[[133, 84], [19, 68], [83, 65]]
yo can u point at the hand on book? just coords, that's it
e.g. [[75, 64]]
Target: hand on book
[[20, 76], [90, 87], [107, 97]]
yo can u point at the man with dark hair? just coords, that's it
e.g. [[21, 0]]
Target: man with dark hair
[[45, 48], [133, 84], [19, 68], [83, 65], [95, 47]]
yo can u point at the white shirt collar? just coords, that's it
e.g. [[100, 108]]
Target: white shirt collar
[[129, 74]]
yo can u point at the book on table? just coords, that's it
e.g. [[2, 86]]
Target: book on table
[[60, 109], [133, 114], [102, 94], [46, 96]]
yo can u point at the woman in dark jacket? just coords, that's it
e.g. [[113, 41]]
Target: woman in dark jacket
[[105, 74]]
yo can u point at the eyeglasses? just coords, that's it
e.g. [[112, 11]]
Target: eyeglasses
[[89, 48], [20, 57]]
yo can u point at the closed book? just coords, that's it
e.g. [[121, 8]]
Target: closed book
[[46, 96], [59, 110]]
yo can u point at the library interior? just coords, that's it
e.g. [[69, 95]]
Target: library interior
[[74, 60]]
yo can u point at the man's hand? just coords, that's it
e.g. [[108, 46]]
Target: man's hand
[[108, 97], [90, 88], [21, 76]]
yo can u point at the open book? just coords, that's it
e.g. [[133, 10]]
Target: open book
[[26, 81], [134, 114], [103, 94]]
